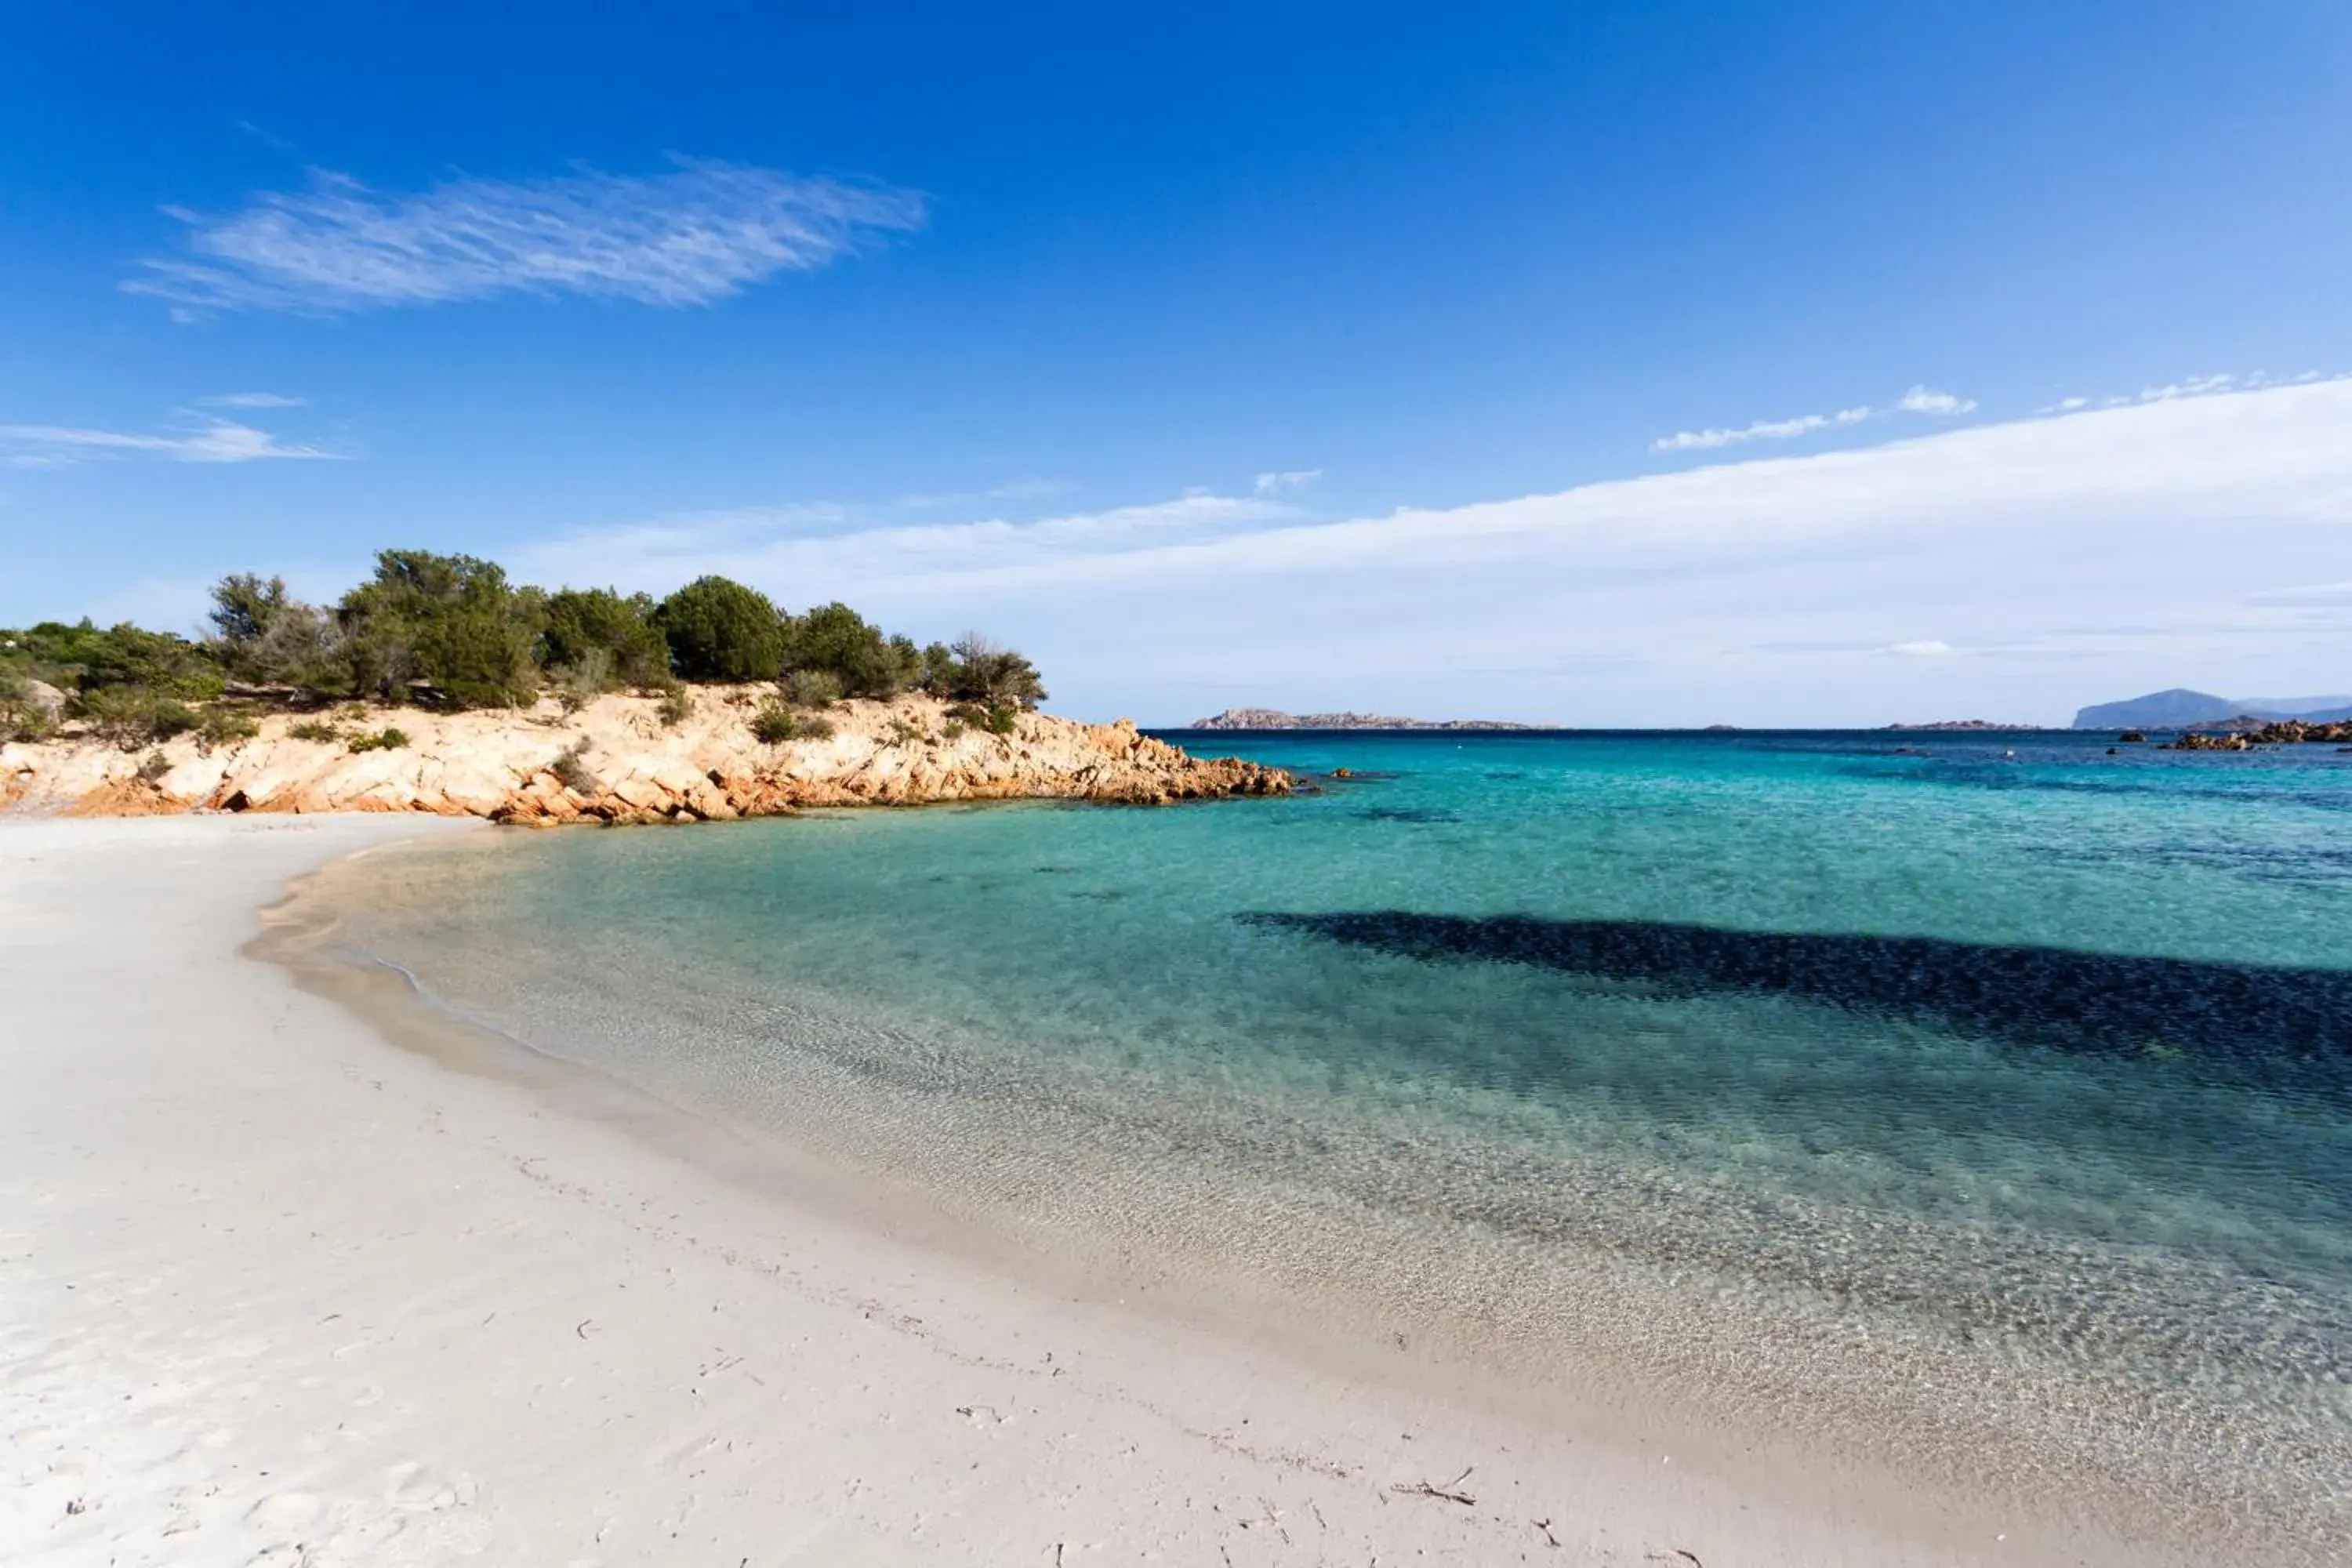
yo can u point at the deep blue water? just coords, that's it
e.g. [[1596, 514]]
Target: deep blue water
[[1990, 1079]]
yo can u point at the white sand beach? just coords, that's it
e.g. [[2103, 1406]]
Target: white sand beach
[[276, 1290]]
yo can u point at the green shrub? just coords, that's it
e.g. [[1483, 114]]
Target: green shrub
[[954, 730], [836, 640], [571, 773], [937, 669], [720, 630], [83, 657], [774, 724], [263, 636], [384, 739], [813, 689], [984, 672], [677, 706], [314, 730], [131, 717], [158, 662], [578, 685], [975, 669], [905, 732], [997, 719], [451, 622], [154, 767], [816, 728], [223, 725], [245, 607], [595, 629], [23, 716]]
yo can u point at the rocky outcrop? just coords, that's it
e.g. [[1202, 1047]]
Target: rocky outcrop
[[44, 698], [625, 766], [2289, 733]]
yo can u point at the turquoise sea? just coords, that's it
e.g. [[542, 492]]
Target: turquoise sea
[[1978, 1103]]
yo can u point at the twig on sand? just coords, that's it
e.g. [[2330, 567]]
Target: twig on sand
[[581, 1327], [1668, 1556], [1544, 1525], [1450, 1493]]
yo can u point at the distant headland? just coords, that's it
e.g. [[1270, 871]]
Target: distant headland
[[1275, 719], [2182, 709]]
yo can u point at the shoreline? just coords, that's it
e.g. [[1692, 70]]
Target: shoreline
[[1164, 1409], [1820, 1410]]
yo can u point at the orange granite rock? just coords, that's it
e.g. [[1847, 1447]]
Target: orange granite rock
[[710, 767]]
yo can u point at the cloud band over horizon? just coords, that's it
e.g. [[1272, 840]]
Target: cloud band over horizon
[[1919, 400], [1983, 558]]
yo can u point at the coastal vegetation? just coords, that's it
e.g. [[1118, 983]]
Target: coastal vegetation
[[454, 632], [570, 770], [776, 723]]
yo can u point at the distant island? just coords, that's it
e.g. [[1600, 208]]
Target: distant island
[[1275, 719], [1964, 724], [2182, 709]]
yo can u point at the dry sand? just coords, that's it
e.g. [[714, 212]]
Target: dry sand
[[274, 1291]]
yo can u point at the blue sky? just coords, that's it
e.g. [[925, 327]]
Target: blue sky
[[1656, 363]]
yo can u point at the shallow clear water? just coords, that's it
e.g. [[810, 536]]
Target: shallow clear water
[[1914, 1091]]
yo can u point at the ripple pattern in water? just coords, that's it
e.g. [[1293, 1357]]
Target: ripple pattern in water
[[1987, 1103]]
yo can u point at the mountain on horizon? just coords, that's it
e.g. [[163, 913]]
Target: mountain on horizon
[[2180, 707]]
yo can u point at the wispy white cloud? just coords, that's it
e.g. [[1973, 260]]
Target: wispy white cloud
[[253, 400], [210, 440], [1012, 490], [1931, 647], [2200, 386], [266, 137], [1280, 483], [2308, 593], [788, 546], [1927, 400], [1762, 430], [2188, 386], [694, 233], [1919, 400]]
